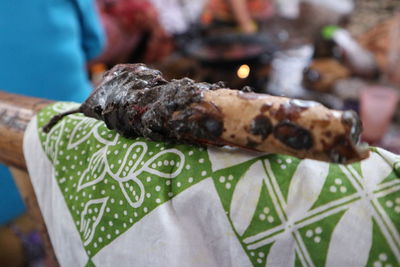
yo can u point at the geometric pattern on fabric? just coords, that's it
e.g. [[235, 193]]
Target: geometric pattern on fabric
[[284, 211]]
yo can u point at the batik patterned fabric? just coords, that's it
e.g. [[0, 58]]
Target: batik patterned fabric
[[238, 209]]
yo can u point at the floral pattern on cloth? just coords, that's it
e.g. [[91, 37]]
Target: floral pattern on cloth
[[284, 211]]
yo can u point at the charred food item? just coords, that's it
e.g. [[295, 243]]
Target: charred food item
[[136, 101]]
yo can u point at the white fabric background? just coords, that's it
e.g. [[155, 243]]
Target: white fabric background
[[64, 236], [190, 230], [193, 229]]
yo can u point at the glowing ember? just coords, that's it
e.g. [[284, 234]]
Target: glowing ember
[[243, 71]]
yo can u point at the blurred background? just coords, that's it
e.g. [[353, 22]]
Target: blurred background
[[342, 53]]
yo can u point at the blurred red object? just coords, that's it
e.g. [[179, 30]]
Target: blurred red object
[[393, 53], [383, 41], [133, 32], [378, 105], [223, 10]]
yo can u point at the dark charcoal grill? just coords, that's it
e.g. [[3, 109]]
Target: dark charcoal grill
[[220, 56]]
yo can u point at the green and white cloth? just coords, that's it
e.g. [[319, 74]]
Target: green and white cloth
[[111, 201]]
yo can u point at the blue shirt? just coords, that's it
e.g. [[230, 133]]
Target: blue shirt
[[44, 47]]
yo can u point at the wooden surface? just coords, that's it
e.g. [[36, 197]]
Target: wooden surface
[[15, 113]]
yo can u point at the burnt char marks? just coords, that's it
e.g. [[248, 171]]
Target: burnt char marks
[[207, 121], [265, 107], [293, 135], [354, 125], [292, 109], [328, 134], [251, 143], [261, 126], [247, 89], [138, 101], [213, 126], [341, 149], [202, 121]]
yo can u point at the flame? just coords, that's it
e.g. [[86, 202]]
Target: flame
[[243, 71]]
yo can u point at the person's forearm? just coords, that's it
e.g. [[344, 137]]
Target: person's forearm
[[241, 14]]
